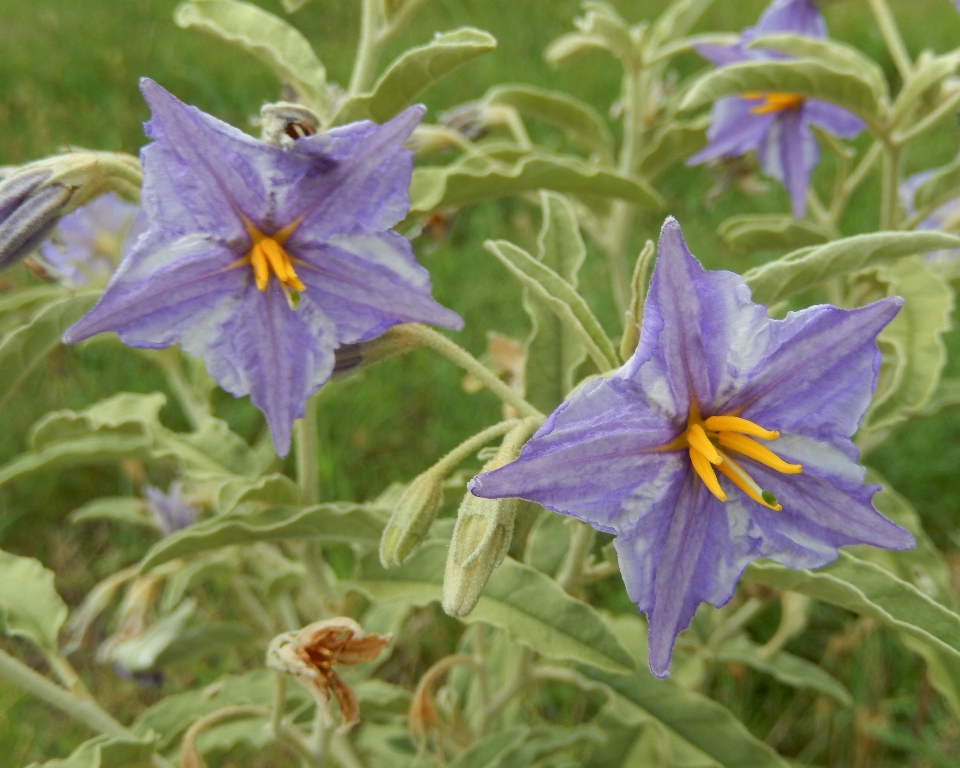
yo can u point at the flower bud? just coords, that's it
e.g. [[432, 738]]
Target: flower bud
[[349, 358], [29, 209], [411, 519]]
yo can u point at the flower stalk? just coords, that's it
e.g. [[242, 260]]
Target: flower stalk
[[891, 37]]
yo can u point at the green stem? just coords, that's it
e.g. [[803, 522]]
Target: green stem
[[368, 49], [168, 361], [429, 338], [449, 462], [740, 618], [85, 711], [944, 110], [889, 197], [581, 542], [308, 454], [343, 752], [869, 159], [891, 37], [517, 682]]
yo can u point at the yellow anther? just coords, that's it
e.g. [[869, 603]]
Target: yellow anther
[[705, 470], [738, 476], [757, 452], [773, 102], [261, 270], [280, 262], [699, 441], [736, 424], [267, 255]]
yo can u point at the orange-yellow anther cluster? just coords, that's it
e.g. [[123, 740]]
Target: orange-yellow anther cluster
[[267, 255], [773, 102], [709, 443]]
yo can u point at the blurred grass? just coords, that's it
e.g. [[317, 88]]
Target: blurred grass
[[68, 76]]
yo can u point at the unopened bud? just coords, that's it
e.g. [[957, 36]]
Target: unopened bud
[[411, 519], [28, 212], [283, 123], [349, 358]]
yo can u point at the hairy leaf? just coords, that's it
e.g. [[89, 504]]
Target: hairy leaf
[[106, 752], [30, 606], [120, 509], [469, 181], [272, 489], [576, 118], [676, 21], [334, 522], [489, 751], [771, 232], [675, 141], [548, 542], [805, 77], [26, 345], [942, 187], [525, 603], [414, 72], [922, 80], [266, 37], [805, 268], [868, 589]]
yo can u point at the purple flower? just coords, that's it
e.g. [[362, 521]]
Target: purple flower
[[944, 217], [263, 261], [663, 453], [170, 511], [90, 241], [776, 125]]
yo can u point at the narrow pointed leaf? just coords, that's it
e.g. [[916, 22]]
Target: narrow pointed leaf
[[414, 72], [676, 21], [560, 296], [266, 37], [771, 232], [525, 603], [870, 590], [334, 522], [805, 268]]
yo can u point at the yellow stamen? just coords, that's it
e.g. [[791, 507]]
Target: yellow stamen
[[698, 440], [705, 470], [736, 424], [267, 255], [738, 476], [773, 102], [755, 451]]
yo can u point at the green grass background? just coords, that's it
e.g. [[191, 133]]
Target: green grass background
[[68, 76]]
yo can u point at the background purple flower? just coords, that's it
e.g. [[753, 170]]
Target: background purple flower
[[620, 453], [170, 511], [90, 241], [264, 261], [945, 217]]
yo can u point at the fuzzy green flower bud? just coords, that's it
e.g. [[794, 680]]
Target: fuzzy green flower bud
[[412, 518], [349, 358]]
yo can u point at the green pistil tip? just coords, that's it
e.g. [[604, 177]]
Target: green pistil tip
[[769, 498]]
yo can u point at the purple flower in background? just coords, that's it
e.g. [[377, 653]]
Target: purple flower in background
[[945, 217], [263, 261], [776, 125], [671, 455], [170, 511], [89, 242]]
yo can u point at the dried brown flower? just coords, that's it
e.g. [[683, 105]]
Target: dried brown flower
[[309, 655]]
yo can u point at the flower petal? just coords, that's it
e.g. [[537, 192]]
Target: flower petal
[[831, 118], [798, 17], [367, 283], [789, 154], [818, 370], [702, 335], [721, 55], [734, 129], [366, 188], [592, 459]]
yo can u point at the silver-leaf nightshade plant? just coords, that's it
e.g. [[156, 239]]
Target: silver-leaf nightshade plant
[[724, 439]]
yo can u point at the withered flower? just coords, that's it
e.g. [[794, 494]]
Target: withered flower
[[310, 654]]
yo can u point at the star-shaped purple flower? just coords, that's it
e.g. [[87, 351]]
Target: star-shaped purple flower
[[671, 455], [88, 243], [263, 261], [776, 125]]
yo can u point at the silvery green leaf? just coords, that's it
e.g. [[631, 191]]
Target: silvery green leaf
[[868, 589], [335, 522], [120, 509], [210, 451], [266, 37], [830, 52], [602, 20], [912, 344], [927, 75], [942, 187], [472, 180], [552, 352], [488, 751], [779, 279], [251, 732], [576, 118], [548, 542], [13, 302], [106, 752], [542, 741], [292, 6], [676, 21], [561, 297], [946, 395], [414, 72], [24, 347], [202, 640], [785, 667], [525, 603], [675, 141], [772, 232], [568, 48], [140, 652], [30, 606], [272, 489], [805, 77]]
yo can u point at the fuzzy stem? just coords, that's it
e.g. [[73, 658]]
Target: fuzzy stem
[[889, 198], [308, 450], [448, 463], [85, 711], [428, 337], [581, 542], [368, 49], [944, 110], [168, 361], [517, 682], [891, 37]]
